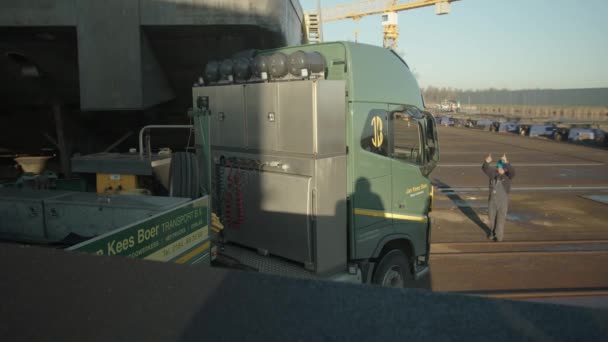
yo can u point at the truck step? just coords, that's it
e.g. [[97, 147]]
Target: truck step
[[250, 259]]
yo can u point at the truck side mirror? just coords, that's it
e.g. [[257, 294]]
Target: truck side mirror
[[431, 144]]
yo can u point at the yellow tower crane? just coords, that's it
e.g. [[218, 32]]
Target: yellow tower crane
[[359, 9]]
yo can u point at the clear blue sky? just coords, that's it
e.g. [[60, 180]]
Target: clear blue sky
[[515, 44]]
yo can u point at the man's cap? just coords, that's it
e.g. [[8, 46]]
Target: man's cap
[[500, 165]]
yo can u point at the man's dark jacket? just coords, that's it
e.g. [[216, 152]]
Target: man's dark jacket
[[492, 173]]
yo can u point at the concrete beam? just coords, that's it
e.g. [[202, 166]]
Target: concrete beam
[[284, 16], [109, 55], [39, 12], [118, 70], [119, 65], [155, 86]]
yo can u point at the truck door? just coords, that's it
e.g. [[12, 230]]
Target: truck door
[[370, 167], [410, 187]]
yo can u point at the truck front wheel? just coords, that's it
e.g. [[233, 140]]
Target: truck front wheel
[[393, 270]]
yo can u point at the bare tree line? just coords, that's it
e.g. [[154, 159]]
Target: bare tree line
[[436, 94], [525, 97]]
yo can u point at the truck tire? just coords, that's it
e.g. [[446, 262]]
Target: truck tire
[[183, 175], [393, 270]]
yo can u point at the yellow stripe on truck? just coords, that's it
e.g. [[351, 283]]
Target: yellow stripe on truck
[[180, 246], [198, 250], [376, 213], [432, 204]]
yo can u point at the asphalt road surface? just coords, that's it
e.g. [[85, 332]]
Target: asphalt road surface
[[556, 235]]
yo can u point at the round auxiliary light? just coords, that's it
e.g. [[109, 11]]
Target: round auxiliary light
[[260, 65], [277, 65], [212, 71], [242, 69], [312, 62], [227, 68]]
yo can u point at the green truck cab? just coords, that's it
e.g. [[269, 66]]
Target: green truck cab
[[320, 157]]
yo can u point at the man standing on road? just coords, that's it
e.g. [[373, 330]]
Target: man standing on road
[[500, 186]]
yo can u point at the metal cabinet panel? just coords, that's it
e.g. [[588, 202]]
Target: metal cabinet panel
[[330, 233], [331, 117], [227, 106], [22, 219], [296, 122], [304, 117], [312, 117], [276, 214], [262, 116], [22, 213], [231, 116], [296, 134]]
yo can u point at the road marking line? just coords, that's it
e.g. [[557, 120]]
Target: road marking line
[[516, 253], [532, 242], [526, 164], [519, 246], [528, 188], [557, 293], [496, 153]]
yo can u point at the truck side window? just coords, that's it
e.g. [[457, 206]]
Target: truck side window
[[406, 138], [375, 133]]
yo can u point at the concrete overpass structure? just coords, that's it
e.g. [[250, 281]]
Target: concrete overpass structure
[[111, 66], [128, 54]]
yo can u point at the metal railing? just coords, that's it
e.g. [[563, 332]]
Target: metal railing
[[149, 147]]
